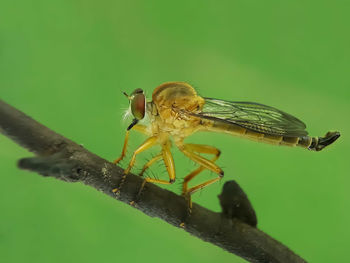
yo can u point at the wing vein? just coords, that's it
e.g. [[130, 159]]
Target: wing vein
[[253, 116]]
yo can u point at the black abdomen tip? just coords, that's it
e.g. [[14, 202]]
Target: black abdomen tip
[[328, 139]]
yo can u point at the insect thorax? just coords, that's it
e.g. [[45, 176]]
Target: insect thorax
[[172, 98], [171, 109]]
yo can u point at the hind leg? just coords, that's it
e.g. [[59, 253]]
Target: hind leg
[[191, 151]]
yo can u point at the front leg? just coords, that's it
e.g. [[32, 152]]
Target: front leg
[[122, 155], [151, 141], [140, 128]]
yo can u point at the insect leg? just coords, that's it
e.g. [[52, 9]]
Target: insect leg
[[139, 128], [169, 163], [190, 151], [194, 189], [151, 141], [150, 162], [200, 149], [124, 148]]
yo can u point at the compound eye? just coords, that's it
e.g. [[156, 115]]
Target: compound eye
[[137, 91], [138, 103]]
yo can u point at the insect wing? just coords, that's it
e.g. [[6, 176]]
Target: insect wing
[[253, 116]]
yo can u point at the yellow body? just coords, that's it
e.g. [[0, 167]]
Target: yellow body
[[172, 98], [173, 113]]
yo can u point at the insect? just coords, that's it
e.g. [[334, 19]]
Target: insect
[[177, 111]]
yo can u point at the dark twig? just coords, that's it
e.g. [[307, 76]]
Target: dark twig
[[63, 159]]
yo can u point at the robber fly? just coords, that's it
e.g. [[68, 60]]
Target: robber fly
[[177, 111]]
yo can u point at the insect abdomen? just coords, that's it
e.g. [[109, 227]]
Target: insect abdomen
[[311, 143]]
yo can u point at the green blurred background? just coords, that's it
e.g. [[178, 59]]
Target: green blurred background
[[65, 64]]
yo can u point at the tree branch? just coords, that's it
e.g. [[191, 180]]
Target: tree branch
[[63, 159]]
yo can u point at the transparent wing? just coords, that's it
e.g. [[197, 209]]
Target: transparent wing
[[253, 116]]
